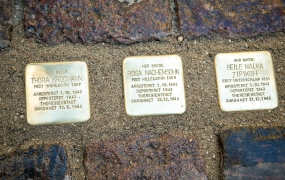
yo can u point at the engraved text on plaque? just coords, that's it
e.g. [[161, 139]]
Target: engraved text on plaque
[[57, 93], [154, 85], [246, 81]]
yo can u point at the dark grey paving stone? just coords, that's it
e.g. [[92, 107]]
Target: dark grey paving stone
[[5, 23], [37, 163], [254, 153]]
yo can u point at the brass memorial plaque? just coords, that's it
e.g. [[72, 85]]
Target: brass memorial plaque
[[154, 85], [57, 93], [246, 81]]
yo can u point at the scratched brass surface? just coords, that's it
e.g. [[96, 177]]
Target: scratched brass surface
[[153, 85], [57, 93], [246, 81]]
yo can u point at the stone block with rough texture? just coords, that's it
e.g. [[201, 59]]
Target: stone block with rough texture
[[237, 18], [42, 162], [145, 156], [5, 23], [254, 153], [93, 21]]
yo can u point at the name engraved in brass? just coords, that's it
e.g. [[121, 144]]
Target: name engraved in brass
[[246, 81], [154, 85], [57, 93]]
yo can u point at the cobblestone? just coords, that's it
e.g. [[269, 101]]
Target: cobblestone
[[42, 162], [55, 21], [145, 156], [230, 18], [254, 153], [5, 23]]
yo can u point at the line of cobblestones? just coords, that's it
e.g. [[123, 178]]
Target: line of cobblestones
[[114, 21], [247, 152]]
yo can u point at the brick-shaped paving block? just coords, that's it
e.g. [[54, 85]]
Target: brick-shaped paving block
[[145, 156], [41, 162], [236, 18], [5, 23], [87, 21], [257, 153]]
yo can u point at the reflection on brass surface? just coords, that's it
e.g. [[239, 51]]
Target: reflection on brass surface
[[57, 93], [246, 81], [154, 85]]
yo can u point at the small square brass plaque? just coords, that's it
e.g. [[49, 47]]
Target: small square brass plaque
[[154, 85], [57, 93], [246, 81]]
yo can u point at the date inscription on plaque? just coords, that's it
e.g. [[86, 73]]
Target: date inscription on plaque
[[246, 81], [154, 85], [57, 93]]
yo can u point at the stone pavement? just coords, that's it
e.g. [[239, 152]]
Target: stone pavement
[[5, 23], [254, 153], [116, 21], [247, 153], [97, 21], [42, 162], [112, 21], [230, 18], [145, 156]]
